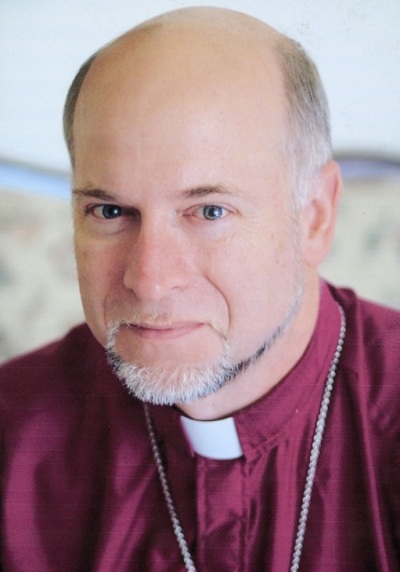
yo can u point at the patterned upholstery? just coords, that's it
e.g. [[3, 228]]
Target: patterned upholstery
[[366, 250], [39, 297]]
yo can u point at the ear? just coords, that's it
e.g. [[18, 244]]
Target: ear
[[319, 215]]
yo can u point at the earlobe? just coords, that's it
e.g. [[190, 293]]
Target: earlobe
[[319, 216]]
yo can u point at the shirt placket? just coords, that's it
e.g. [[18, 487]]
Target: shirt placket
[[220, 515]]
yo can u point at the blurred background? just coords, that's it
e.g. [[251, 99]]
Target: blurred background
[[356, 45]]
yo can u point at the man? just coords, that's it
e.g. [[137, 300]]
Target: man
[[258, 428]]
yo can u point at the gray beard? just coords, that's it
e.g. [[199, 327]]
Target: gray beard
[[185, 384]]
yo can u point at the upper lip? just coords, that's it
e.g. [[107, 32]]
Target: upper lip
[[170, 326]]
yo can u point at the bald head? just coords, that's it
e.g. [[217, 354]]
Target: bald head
[[208, 54]]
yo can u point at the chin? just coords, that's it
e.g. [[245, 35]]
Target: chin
[[170, 385], [167, 384]]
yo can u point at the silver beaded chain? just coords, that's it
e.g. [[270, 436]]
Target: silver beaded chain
[[176, 525], [316, 446], [312, 465]]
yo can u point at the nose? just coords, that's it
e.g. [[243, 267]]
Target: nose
[[157, 263]]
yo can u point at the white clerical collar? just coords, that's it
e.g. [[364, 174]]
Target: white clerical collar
[[213, 439]]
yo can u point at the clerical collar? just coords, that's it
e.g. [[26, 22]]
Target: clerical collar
[[213, 439]]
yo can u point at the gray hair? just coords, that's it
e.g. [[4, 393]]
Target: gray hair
[[308, 139], [70, 104]]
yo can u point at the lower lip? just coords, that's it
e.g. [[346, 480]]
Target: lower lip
[[164, 333]]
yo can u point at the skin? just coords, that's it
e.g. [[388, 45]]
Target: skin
[[168, 123]]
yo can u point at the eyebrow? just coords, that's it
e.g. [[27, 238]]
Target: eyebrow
[[205, 190], [94, 193], [201, 191]]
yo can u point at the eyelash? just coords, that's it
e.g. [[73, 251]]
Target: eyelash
[[91, 210], [223, 211]]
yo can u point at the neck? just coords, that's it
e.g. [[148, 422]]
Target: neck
[[267, 372]]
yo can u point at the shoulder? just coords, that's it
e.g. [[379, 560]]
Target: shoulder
[[370, 326], [52, 372], [370, 366], [366, 408], [55, 356]]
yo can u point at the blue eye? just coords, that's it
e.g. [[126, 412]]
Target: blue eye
[[110, 211], [213, 212]]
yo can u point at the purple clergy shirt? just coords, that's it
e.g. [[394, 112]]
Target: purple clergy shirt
[[80, 490]]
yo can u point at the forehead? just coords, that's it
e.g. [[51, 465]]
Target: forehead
[[170, 97], [194, 61]]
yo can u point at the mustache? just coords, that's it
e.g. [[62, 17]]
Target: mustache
[[158, 319], [141, 318]]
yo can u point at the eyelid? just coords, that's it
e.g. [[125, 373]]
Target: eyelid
[[91, 208], [192, 211]]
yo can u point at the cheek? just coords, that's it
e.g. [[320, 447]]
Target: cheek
[[258, 282], [98, 265], [250, 266], [99, 273]]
